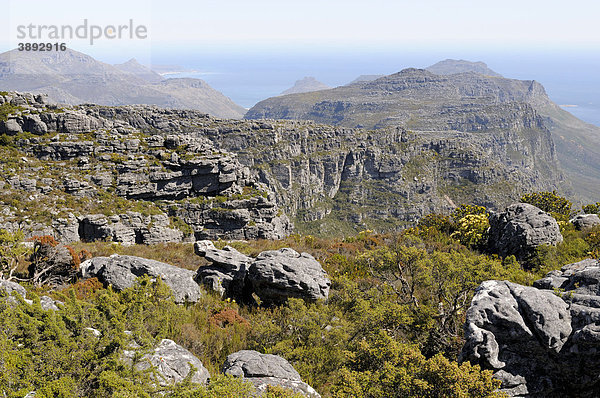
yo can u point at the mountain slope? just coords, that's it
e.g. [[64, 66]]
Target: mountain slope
[[135, 68], [71, 77], [470, 102]]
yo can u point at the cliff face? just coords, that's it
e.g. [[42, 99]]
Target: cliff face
[[470, 102], [76, 174], [230, 179]]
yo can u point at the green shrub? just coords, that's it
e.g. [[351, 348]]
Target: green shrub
[[550, 202]]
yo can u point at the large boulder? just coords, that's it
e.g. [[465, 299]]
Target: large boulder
[[172, 363], [121, 273], [541, 341], [227, 273], [520, 229], [584, 221], [280, 274], [274, 276], [265, 370]]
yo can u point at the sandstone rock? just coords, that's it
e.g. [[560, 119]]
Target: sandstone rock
[[172, 363], [34, 124], [47, 303], [227, 272], [274, 276], [278, 275], [540, 341], [121, 273], [265, 369], [520, 229], [583, 221], [10, 127], [8, 287]]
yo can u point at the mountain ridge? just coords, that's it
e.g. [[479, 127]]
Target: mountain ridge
[[467, 101], [71, 77]]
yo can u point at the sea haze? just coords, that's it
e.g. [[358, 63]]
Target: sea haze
[[249, 77]]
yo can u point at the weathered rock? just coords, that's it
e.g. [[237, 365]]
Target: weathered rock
[[274, 276], [129, 229], [520, 229], [278, 275], [540, 341], [227, 272], [266, 369], [8, 287], [172, 363], [47, 303], [583, 221], [10, 127], [121, 272]]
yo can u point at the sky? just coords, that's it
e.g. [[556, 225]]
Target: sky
[[253, 49], [318, 25]]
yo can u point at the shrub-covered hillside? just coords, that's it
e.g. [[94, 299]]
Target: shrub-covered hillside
[[392, 325]]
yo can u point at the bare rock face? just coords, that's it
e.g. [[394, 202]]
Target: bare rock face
[[266, 369], [121, 273], [280, 274], [584, 221], [520, 229], [540, 341], [274, 276], [172, 363]]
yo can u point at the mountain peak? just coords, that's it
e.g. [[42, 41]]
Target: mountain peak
[[305, 85], [454, 66]]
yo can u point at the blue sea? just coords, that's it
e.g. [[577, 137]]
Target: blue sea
[[247, 77]]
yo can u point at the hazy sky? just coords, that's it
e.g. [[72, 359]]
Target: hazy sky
[[314, 24]]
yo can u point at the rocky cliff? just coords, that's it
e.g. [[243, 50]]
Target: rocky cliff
[[82, 173], [472, 101], [138, 173]]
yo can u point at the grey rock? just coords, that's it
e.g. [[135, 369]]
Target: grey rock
[[274, 276], [8, 287], [172, 363], [520, 229], [47, 303], [264, 370], [227, 272], [10, 127], [583, 221], [278, 275], [34, 124], [121, 273], [516, 329], [541, 341]]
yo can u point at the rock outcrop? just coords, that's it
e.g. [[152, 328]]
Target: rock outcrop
[[277, 275], [172, 363], [121, 273], [146, 171], [540, 341], [274, 276], [227, 271], [584, 221], [520, 229], [264, 370]]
